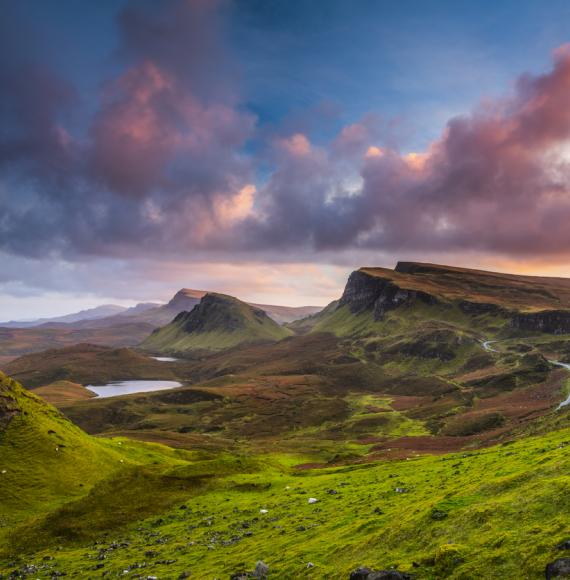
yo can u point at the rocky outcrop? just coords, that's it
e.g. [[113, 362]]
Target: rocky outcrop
[[215, 312], [185, 299], [365, 292], [480, 308], [549, 321], [558, 569], [368, 574]]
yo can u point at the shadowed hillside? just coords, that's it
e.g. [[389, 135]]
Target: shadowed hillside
[[217, 323]]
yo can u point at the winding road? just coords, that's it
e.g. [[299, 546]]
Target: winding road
[[487, 346]]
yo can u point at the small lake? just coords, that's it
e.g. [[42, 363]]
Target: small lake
[[165, 358], [129, 387]]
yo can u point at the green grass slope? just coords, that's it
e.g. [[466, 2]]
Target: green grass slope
[[493, 513], [49, 469], [219, 322]]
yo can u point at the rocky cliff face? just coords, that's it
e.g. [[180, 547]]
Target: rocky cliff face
[[365, 292], [218, 312], [480, 308], [549, 321], [185, 299]]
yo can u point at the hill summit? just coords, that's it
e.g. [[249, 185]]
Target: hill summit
[[218, 322]]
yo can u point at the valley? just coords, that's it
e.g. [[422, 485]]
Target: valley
[[418, 410]]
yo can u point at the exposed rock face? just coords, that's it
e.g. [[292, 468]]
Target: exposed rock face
[[558, 569], [549, 321], [185, 299], [215, 310], [478, 308], [364, 292]]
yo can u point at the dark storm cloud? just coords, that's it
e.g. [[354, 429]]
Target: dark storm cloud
[[162, 165], [163, 147]]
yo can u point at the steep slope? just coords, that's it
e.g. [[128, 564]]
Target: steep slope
[[483, 302], [285, 314], [126, 328], [59, 485], [186, 298], [157, 314], [44, 458], [217, 323]]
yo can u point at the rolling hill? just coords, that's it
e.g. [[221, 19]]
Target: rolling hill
[[84, 364], [217, 323]]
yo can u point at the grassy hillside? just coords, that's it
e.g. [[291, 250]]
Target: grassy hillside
[[85, 364], [493, 513], [426, 450], [219, 322]]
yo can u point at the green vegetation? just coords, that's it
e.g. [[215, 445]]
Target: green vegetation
[[497, 512], [426, 452], [219, 322], [85, 364]]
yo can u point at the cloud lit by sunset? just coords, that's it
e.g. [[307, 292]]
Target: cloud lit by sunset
[[173, 138]]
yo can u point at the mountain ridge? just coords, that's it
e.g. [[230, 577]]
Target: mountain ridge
[[94, 313], [218, 322]]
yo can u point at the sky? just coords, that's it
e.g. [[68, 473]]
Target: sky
[[266, 149]]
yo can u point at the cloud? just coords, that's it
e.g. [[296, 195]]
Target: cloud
[[495, 182], [164, 165]]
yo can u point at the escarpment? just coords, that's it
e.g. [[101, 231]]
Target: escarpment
[[365, 292], [548, 321]]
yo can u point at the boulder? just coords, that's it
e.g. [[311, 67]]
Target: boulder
[[261, 570], [558, 569], [368, 574]]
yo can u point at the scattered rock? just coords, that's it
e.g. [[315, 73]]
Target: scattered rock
[[368, 574], [564, 545], [261, 570], [313, 500], [558, 569], [310, 565]]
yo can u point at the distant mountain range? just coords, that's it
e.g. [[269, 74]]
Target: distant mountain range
[[112, 325], [153, 313], [90, 314]]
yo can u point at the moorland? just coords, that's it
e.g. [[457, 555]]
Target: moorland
[[414, 426]]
